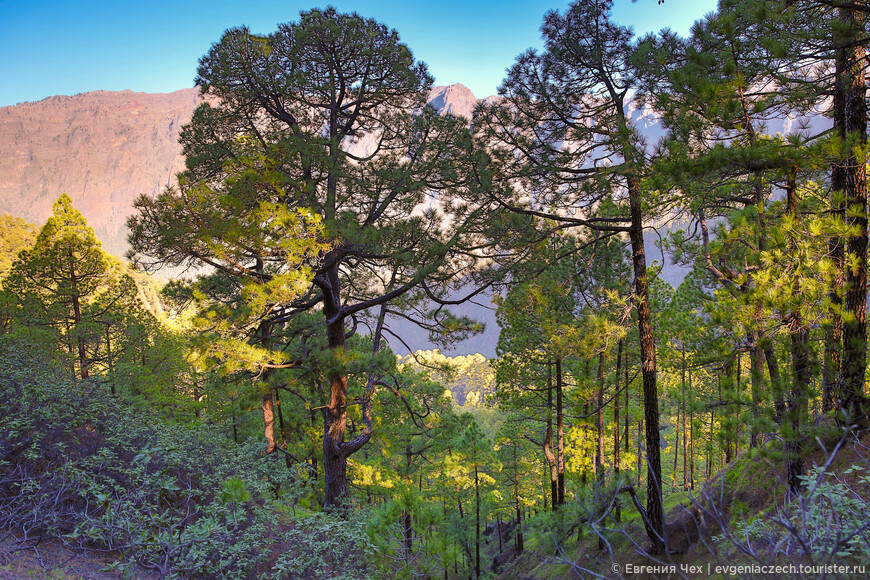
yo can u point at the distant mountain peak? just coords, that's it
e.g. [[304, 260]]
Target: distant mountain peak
[[456, 100]]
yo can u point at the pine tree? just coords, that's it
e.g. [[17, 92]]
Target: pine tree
[[56, 278], [562, 131], [318, 181]]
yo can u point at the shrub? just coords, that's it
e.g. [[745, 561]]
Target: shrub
[[79, 465]]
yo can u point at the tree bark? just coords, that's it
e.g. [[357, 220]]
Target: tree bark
[[77, 318], [802, 375], [626, 437], [648, 368], [335, 412], [269, 421], [854, 365], [517, 504], [833, 328], [476, 523], [599, 421], [775, 379], [685, 438], [548, 447], [617, 515], [756, 378], [109, 358], [560, 433]]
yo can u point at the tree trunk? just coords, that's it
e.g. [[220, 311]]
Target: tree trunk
[[335, 449], [551, 462], [800, 352], [334, 458], [676, 448], [548, 447], [775, 379], [626, 437], [269, 421], [408, 534], [756, 377], [77, 319], [648, 368], [599, 421], [110, 361], [477, 523], [617, 515], [335, 412], [282, 429], [685, 438], [692, 446], [518, 505], [854, 364], [726, 422], [560, 433], [834, 326], [709, 470]]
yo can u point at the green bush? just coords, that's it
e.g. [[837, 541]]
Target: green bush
[[827, 523], [79, 465]]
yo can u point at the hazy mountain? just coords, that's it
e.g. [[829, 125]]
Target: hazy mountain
[[456, 100], [106, 148]]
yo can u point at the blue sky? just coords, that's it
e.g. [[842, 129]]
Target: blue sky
[[52, 47]]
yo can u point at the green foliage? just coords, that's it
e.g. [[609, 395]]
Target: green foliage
[[828, 522], [325, 546], [79, 465], [106, 317], [16, 234], [468, 378]]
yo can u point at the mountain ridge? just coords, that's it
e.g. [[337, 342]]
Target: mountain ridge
[[105, 148]]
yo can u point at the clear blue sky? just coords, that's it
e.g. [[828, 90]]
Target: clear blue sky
[[63, 47]]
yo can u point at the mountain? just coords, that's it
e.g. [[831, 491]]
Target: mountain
[[106, 148], [102, 148], [456, 100]]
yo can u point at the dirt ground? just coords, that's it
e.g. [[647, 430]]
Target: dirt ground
[[52, 561]]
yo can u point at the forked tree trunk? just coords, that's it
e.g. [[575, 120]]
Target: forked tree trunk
[[335, 449]]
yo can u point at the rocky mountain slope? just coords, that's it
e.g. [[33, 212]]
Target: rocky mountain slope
[[105, 148], [102, 148]]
